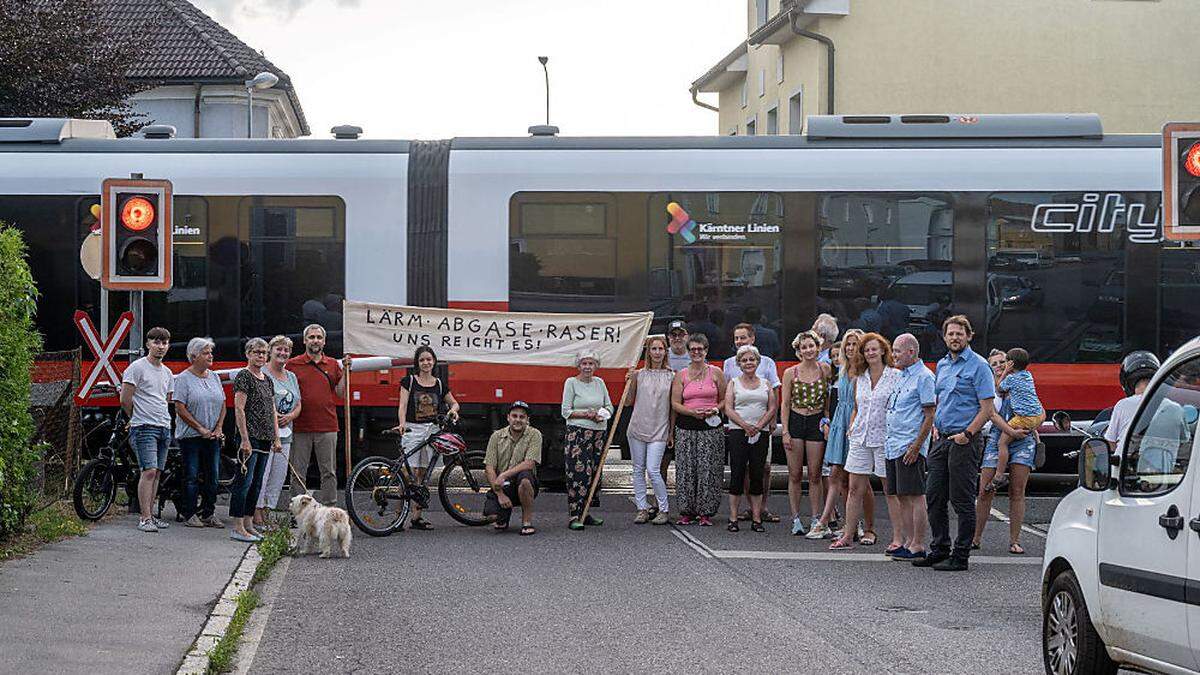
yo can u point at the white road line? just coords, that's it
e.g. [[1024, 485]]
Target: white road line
[[693, 543], [858, 557], [999, 515]]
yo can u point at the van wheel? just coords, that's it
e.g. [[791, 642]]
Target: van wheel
[[1070, 645]]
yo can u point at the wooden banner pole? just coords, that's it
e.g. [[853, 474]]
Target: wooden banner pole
[[349, 369], [612, 431]]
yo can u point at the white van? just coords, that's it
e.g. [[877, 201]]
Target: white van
[[1121, 574]]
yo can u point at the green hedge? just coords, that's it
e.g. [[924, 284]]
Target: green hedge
[[19, 343]]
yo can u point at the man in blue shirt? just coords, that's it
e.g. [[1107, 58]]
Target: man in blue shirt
[[965, 395], [909, 421]]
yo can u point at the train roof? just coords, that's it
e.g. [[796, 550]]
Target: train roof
[[823, 132]]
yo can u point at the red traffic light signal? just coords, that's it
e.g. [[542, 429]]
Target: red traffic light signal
[[135, 224], [1181, 180]]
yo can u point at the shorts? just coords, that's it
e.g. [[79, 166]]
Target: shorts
[[905, 480], [864, 460], [805, 427], [1028, 422], [150, 444], [1024, 453], [511, 490], [415, 434]]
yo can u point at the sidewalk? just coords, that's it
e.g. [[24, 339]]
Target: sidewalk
[[115, 601]]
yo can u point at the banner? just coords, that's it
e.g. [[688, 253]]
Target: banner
[[519, 338]]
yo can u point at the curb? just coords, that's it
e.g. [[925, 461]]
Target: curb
[[196, 661]]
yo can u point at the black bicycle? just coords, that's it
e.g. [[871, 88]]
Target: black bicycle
[[380, 491]]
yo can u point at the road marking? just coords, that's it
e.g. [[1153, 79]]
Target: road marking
[[999, 515], [857, 557], [695, 545]]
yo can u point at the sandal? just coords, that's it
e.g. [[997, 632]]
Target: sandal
[[840, 545], [757, 526], [732, 526], [892, 548], [868, 538], [771, 517], [1016, 549], [527, 530], [420, 524], [500, 526]]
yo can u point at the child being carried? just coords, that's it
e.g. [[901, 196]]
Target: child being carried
[[1027, 411]]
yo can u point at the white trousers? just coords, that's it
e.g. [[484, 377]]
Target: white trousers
[[273, 477], [648, 456]]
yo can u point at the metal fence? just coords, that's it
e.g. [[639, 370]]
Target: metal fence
[[58, 432]]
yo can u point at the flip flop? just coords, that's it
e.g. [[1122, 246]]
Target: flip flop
[[527, 530], [868, 539], [1016, 549]]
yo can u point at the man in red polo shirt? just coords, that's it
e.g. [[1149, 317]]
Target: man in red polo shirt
[[315, 431]]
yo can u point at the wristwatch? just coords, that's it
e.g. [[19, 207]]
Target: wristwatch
[[969, 434]]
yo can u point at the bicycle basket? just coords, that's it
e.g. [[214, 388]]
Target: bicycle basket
[[448, 443]]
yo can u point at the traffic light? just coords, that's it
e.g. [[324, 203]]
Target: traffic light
[[1181, 180], [135, 223]]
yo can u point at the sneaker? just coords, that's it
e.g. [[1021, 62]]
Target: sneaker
[[817, 531], [899, 552], [194, 521], [930, 559], [797, 526], [905, 554], [951, 564], [244, 538], [814, 522], [642, 517], [684, 520], [160, 524], [213, 521], [147, 525], [661, 519], [705, 521]]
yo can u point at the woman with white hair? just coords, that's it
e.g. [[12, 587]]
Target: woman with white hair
[[751, 405], [258, 430], [587, 408], [287, 406], [200, 415]]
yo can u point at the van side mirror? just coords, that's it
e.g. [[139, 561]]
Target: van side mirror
[[1095, 465], [1062, 421]]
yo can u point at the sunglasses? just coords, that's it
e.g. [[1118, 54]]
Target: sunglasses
[[697, 349], [259, 352]]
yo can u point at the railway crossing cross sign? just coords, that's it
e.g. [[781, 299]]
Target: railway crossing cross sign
[[103, 352]]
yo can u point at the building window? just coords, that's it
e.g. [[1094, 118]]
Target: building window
[[779, 67], [752, 126], [761, 13], [796, 113], [773, 121], [745, 91], [562, 251], [885, 263], [762, 82]]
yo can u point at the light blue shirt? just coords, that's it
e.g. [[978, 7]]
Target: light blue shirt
[[906, 410], [962, 382], [766, 370], [1021, 392], [824, 357]]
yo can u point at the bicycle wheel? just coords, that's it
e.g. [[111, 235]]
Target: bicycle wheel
[[463, 488], [95, 489], [377, 496]]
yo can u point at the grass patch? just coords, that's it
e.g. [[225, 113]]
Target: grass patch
[[55, 522], [222, 654], [274, 545]]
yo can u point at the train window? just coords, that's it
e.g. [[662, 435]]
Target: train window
[[184, 309], [884, 263], [562, 252], [1058, 261], [48, 225], [1179, 286], [293, 272], [715, 260]]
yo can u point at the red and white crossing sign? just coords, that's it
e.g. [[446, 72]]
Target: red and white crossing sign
[[104, 351]]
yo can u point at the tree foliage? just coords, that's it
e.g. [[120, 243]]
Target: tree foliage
[[57, 60], [19, 343]]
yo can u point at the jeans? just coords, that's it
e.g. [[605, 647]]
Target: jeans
[[150, 444], [201, 456], [243, 494], [953, 479], [648, 455]]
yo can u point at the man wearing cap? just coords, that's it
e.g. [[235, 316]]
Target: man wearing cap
[[513, 454], [677, 355]]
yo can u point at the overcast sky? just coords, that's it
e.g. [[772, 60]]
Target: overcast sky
[[438, 69]]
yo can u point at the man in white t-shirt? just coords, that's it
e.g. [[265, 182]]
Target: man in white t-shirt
[[743, 334], [146, 388], [1137, 368]]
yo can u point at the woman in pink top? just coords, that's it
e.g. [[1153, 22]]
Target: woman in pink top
[[697, 397], [649, 431]]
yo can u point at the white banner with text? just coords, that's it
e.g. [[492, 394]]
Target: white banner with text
[[475, 336]]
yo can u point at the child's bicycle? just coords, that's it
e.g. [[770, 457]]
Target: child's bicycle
[[380, 491]]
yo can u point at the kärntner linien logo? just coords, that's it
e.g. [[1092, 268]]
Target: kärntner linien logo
[[681, 223]]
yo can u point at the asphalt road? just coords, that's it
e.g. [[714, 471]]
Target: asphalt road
[[625, 598]]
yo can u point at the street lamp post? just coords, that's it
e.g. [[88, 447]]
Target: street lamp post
[[263, 80], [546, 70]]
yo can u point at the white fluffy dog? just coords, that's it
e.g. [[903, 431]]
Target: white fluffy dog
[[328, 525]]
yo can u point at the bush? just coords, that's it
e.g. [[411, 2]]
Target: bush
[[19, 343]]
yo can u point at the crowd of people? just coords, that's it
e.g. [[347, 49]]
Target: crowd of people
[[854, 408]]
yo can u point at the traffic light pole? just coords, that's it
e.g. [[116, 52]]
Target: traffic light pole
[[135, 333]]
